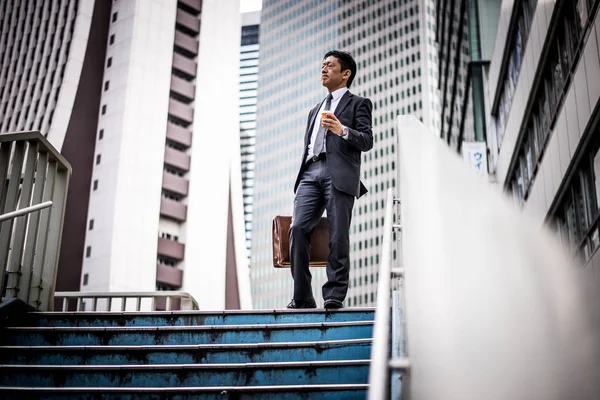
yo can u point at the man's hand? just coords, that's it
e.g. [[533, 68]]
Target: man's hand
[[333, 124]]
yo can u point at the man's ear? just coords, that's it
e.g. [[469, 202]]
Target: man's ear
[[347, 74]]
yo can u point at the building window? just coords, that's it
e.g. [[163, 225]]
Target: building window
[[85, 279], [106, 85], [517, 46], [112, 39], [98, 158], [109, 62], [88, 252], [578, 216], [549, 97], [104, 109], [101, 134], [96, 184], [91, 225], [114, 17]]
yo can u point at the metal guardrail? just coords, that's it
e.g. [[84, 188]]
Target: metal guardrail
[[384, 378], [188, 302], [34, 179]]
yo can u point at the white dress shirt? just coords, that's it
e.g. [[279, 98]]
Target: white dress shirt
[[337, 95]]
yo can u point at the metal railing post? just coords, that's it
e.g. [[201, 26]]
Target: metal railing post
[[5, 150], [10, 200], [41, 277], [33, 228], [379, 371], [51, 257]]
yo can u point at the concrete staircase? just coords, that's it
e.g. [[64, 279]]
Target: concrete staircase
[[229, 355]]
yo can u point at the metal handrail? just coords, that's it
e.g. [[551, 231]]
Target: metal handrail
[[138, 296], [34, 179], [23, 211], [380, 357]]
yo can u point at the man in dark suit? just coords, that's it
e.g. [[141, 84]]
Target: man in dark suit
[[329, 179]]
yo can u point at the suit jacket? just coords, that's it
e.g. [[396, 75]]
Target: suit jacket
[[344, 155]]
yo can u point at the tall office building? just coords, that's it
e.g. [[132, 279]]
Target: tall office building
[[544, 122], [248, 92], [51, 68], [393, 43], [465, 33], [156, 201]]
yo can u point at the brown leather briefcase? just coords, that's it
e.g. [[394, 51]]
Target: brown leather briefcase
[[281, 243]]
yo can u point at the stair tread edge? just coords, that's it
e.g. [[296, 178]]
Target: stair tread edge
[[195, 346], [285, 364]]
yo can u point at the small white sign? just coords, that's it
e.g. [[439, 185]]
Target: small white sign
[[475, 154]]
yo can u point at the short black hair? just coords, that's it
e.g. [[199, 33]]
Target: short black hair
[[346, 62]]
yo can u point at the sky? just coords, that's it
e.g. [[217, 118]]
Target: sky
[[250, 5]]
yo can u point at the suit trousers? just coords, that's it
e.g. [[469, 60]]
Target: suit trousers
[[316, 193]]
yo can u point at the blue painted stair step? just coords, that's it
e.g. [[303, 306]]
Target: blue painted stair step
[[356, 349], [254, 374], [264, 354], [170, 335], [282, 392], [195, 318]]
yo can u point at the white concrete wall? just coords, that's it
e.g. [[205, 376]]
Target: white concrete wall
[[215, 164], [126, 205], [488, 291]]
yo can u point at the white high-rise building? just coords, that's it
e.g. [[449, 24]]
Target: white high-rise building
[[393, 43], [165, 206], [248, 91], [130, 92]]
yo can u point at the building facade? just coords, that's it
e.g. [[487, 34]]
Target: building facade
[[530, 97], [159, 205], [393, 43], [465, 32], [163, 201], [249, 56], [544, 89], [51, 68]]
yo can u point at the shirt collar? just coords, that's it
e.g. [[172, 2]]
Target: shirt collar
[[338, 93]]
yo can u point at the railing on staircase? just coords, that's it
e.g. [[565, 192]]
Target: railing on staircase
[[162, 300], [388, 357], [33, 193]]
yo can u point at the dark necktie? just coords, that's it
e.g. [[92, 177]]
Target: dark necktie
[[320, 140]]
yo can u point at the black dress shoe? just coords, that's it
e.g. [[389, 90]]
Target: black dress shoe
[[302, 304], [333, 304]]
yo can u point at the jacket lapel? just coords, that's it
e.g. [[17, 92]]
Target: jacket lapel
[[344, 101]]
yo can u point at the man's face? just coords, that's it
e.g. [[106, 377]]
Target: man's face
[[332, 76]]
